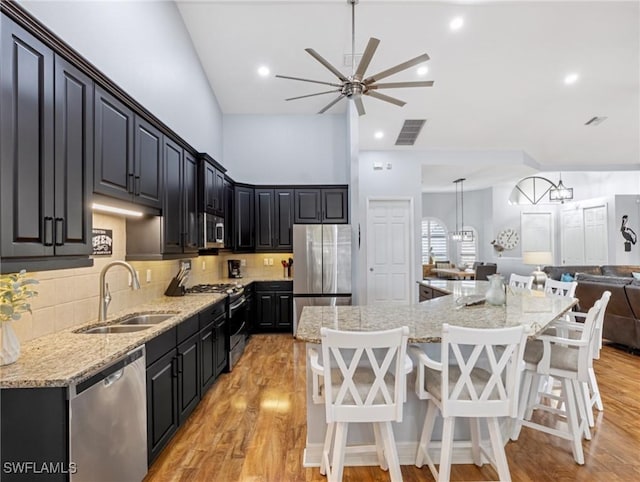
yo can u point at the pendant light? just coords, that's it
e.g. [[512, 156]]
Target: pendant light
[[561, 192], [460, 234]]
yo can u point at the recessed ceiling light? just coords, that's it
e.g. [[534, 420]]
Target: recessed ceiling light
[[423, 70], [571, 79], [456, 23], [379, 135], [263, 71]]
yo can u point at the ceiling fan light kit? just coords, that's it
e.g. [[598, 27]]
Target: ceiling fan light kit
[[354, 87]]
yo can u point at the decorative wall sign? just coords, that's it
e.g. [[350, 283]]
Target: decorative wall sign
[[628, 234], [102, 242]]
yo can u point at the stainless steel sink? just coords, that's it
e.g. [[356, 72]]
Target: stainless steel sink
[[114, 329], [146, 319]]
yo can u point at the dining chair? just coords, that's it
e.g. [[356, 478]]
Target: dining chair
[[477, 377], [519, 281], [560, 288], [366, 373], [485, 270], [566, 359]]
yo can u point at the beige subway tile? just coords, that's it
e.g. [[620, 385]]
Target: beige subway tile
[[46, 294], [85, 310], [64, 290], [64, 316], [44, 322], [24, 328]]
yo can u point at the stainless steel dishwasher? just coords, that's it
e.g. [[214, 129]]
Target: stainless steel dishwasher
[[108, 423]]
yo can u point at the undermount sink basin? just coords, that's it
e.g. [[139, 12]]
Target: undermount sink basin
[[146, 319], [114, 329]]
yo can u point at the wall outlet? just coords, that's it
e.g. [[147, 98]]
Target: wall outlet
[[243, 262], [148, 276], [270, 261], [266, 261]]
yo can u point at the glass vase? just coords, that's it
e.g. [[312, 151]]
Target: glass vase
[[497, 292]]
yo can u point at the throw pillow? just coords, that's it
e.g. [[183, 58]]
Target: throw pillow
[[636, 275], [566, 277]]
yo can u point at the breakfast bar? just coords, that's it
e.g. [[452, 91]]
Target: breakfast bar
[[425, 320]]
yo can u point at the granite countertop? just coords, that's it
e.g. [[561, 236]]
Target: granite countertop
[[425, 319], [64, 358]]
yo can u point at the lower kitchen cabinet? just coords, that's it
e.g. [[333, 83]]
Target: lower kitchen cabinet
[[188, 376], [273, 306], [213, 344]]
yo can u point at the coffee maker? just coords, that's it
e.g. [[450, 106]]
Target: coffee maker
[[234, 268]]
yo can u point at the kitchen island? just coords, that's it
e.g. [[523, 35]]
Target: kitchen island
[[425, 320]]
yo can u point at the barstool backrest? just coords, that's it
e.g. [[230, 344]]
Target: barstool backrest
[[519, 281], [560, 288], [364, 374]]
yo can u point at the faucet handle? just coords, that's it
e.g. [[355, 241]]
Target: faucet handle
[[107, 294]]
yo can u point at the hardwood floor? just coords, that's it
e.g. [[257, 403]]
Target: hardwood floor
[[251, 426]]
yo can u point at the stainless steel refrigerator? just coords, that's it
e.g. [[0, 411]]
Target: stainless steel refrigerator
[[322, 270]]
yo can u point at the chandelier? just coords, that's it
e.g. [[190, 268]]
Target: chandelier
[[561, 192], [460, 234]]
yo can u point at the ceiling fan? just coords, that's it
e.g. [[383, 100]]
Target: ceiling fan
[[354, 87]]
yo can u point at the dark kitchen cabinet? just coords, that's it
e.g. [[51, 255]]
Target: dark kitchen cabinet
[[189, 362], [46, 125], [229, 212], [212, 187], [128, 153], [274, 306], [190, 193], [221, 348], [274, 219], [244, 219], [213, 358], [321, 205]]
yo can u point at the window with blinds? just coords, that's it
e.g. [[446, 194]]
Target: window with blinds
[[434, 240], [468, 250]]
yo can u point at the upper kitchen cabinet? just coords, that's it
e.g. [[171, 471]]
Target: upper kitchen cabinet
[[212, 194], [244, 219], [128, 153], [322, 205], [175, 233], [274, 219], [46, 147], [229, 211]]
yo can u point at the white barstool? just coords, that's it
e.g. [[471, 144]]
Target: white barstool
[[519, 281]]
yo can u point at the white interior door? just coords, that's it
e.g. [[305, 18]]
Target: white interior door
[[389, 252], [572, 235], [595, 235]]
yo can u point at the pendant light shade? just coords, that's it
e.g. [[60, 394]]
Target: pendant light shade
[[561, 192], [460, 234]]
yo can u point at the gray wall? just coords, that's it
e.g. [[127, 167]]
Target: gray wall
[[145, 48], [286, 149]]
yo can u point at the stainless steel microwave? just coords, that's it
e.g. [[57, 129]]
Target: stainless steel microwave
[[212, 232]]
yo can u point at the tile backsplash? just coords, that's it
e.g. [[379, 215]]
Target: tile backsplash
[[69, 297]]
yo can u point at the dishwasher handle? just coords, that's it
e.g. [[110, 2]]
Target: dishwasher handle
[[113, 378], [109, 375]]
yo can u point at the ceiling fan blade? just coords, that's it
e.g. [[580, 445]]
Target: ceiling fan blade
[[398, 68], [366, 57], [307, 80], [311, 95], [397, 85], [324, 62], [330, 104], [359, 105], [386, 98]]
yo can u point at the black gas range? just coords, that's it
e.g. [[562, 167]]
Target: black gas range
[[237, 315]]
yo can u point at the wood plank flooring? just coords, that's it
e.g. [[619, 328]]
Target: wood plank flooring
[[251, 426]]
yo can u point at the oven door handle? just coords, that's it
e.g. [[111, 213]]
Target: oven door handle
[[236, 306], [240, 330]]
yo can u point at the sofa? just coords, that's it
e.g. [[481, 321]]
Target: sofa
[[622, 318]]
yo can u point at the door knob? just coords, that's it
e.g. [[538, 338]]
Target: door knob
[[370, 269]]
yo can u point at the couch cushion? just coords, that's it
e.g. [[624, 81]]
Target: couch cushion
[[605, 280], [619, 270], [556, 272]]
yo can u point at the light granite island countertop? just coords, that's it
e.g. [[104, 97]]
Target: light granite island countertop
[[425, 320]]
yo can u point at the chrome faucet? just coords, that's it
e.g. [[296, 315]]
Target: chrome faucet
[[105, 295]]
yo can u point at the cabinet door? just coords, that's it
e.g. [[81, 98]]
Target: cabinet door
[[265, 310], [207, 357], [162, 403], [173, 199], [218, 192], [190, 192], [335, 206], [307, 206], [73, 159], [208, 187], [284, 311], [229, 221], [244, 219], [188, 376], [283, 219], [222, 351], [147, 176], [113, 169], [26, 144], [264, 219]]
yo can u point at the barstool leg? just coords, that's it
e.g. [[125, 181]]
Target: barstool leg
[[425, 438], [572, 420], [390, 451], [326, 450], [444, 470], [595, 390], [380, 447], [474, 426], [339, 448], [502, 467]]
